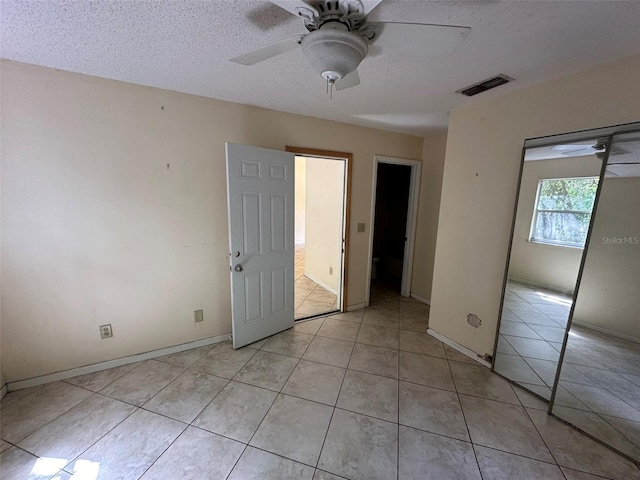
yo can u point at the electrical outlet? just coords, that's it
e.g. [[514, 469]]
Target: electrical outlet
[[198, 316], [360, 227], [330, 270], [106, 331]]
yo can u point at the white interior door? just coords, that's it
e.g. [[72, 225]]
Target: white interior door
[[260, 196]]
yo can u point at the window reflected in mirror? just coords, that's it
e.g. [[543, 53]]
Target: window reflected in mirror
[[556, 196], [563, 211]]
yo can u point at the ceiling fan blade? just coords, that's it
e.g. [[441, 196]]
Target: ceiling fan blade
[[578, 152], [369, 5], [351, 80], [430, 39], [296, 7], [269, 51], [572, 147]]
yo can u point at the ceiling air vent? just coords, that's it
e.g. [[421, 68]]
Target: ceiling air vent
[[485, 85]]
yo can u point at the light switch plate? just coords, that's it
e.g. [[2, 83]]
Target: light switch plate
[[360, 227]]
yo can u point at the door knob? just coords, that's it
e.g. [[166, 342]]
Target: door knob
[[238, 268]]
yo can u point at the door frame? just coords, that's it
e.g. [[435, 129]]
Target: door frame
[[348, 159], [412, 219]]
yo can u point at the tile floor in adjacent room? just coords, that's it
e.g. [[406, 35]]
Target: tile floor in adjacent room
[[362, 395], [310, 298]]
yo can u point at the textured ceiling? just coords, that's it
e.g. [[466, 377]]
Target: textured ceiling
[[185, 45]]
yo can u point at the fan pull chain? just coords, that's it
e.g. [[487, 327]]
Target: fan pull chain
[[330, 87]]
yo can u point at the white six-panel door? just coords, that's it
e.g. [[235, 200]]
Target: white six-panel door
[[260, 196]]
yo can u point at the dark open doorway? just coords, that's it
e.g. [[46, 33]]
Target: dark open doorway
[[390, 229]]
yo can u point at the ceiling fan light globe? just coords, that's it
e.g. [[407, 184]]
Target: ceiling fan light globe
[[334, 53]]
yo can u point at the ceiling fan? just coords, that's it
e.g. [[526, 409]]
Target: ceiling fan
[[580, 149], [339, 37], [589, 148]]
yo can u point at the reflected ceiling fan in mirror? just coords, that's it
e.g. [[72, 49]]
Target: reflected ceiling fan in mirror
[[598, 149], [339, 37], [581, 149]]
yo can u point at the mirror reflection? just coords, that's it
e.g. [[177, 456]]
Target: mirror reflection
[[557, 192], [601, 364]]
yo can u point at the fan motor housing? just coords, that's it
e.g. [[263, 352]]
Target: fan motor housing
[[348, 12], [334, 53]]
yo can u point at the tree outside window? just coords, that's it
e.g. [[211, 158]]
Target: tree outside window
[[563, 211]]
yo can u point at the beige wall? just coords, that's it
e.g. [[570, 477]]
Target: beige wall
[[325, 203], [433, 154], [543, 265], [608, 295], [484, 145], [114, 211], [301, 198]]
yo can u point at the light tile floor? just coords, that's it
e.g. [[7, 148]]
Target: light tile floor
[[310, 299], [532, 330], [603, 373], [360, 395]]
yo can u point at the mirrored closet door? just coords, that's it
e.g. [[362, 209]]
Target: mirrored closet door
[[556, 194], [598, 388]]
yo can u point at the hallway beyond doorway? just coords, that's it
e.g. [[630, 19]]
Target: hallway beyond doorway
[[310, 298]]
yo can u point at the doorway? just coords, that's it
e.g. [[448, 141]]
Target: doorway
[[320, 225], [395, 195]]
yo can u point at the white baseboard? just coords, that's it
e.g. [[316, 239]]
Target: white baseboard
[[461, 348], [541, 285], [357, 306], [321, 283], [3, 391], [420, 298], [605, 331], [96, 367]]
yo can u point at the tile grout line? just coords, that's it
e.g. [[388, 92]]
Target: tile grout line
[[99, 439], [464, 417], [475, 454], [520, 455], [58, 416], [547, 342], [141, 407], [278, 393], [246, 445], [337, 399], [66, 380], [537, 430], [165, 450], [524, 359], [210, 402]]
